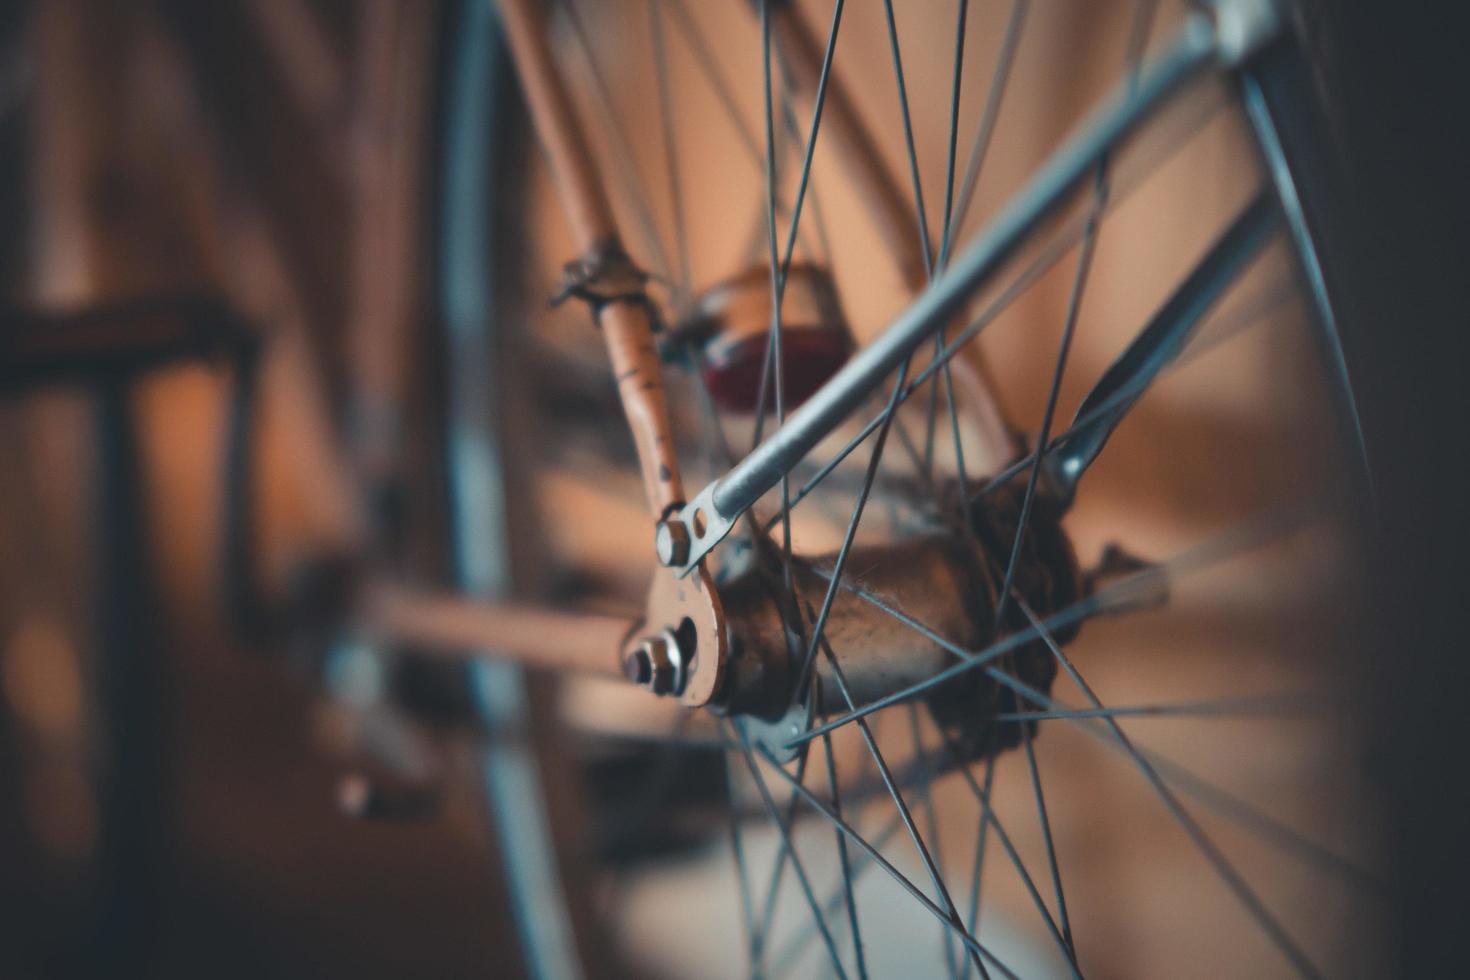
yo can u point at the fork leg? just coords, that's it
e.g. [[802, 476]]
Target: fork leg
[[625, 321]]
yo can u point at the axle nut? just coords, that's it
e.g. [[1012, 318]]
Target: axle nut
[[638, 667], [657, 663], [663, 657], [671, 542]]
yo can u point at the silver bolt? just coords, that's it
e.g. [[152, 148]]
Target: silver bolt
[[658, 664], [663, 654], [671, 542], [638, 667]]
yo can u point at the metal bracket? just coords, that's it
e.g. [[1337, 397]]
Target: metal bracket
[[689, 606], [606, 274], [705, 527]]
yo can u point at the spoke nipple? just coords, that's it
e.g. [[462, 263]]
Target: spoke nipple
[[671, 542]]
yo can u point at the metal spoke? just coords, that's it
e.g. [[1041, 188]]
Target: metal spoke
[[1241, 538], [1050, 846], [954, 128], [820, 621], [756, 933], [1206, 846], [1030, 275], [951, 913], [1263, 827], [910, 450], [1185, 780], [1077, 612], [988, 118], [1043, 628], [777, 284], [710, 66], [786, 845], [920, 214], [1208, 794], [1308, 260], [773, 887], [818, 101], [622, 152], [940, 335], [671, 155], [725, 93], [1069, 326], [852, 916], [722, 501], [977, 872], [961, 17], [975, 948], [793, 132], [1268, 706], [1143, 17], [1231, 879], [1248, 316], [1167, 333], [988, 818], [954, 426], [742, 871], [835, 901], [1053, 252], [926, 799], [908, 134]]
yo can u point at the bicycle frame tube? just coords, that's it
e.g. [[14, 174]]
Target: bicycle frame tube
[[625, 321], [1196, 48], [624, 315]]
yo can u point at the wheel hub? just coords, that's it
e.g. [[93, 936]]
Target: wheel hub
[[945, 582]]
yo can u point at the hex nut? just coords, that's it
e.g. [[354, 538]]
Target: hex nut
[[663, 676]]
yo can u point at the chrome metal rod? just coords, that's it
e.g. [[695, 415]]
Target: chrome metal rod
[[1162, 339], [713, 512]]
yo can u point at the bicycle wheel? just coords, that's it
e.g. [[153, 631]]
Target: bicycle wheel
[[1097, 763]]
